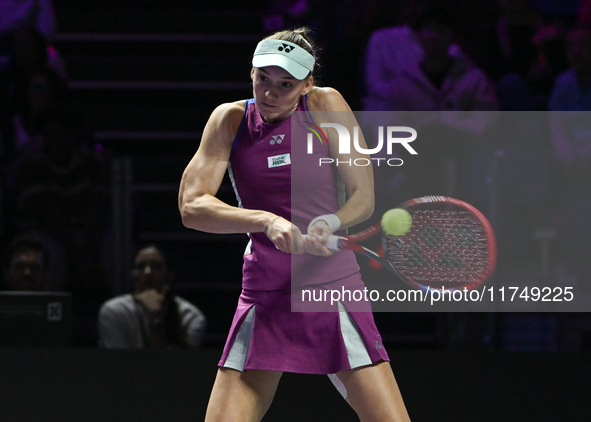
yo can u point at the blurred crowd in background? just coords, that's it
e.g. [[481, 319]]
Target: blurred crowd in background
[[382, 55]]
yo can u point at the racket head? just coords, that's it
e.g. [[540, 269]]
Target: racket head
[[451, 245]]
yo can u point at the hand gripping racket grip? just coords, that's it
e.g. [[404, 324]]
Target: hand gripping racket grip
[[333, 243]]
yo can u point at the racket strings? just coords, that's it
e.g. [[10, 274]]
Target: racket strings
[[444, 248]]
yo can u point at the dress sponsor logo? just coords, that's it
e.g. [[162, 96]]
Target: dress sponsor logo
[[279, 160]]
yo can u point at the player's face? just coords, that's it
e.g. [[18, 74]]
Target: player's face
[[277, 93], [149, 270], [26, 272]]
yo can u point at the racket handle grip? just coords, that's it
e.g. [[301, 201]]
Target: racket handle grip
[[333, 243]]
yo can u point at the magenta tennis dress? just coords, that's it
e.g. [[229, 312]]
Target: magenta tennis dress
[[265, 333]]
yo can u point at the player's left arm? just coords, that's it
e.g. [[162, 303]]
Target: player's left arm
[[358, 179]]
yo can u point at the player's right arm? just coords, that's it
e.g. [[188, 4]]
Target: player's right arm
[[198, 205]]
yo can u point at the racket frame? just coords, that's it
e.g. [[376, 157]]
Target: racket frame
[[350, 242]]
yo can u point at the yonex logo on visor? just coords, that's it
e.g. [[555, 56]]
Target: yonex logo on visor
[[285, 47], [287, 55]]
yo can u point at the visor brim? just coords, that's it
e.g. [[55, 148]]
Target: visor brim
[[295, 69]]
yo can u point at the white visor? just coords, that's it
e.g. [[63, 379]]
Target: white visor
[[287, 55]]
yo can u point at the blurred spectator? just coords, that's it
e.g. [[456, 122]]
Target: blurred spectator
[[572, 90], [388, 52], [17, 13], [441, 81], [36, 94], [30, 56], [401, 76], [515, 28], [534, 32], [62, 192], [528, 85], [551, 58], [31, 50], [152, 316], [25, 265]]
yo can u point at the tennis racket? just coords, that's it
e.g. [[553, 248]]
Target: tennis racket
[[450, 245]]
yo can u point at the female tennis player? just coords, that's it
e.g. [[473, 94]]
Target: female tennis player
[[252, 139]]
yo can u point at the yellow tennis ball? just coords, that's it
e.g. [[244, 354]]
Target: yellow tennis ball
[[396, 222]]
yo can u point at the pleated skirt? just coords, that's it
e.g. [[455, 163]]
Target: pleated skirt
[[266, 334]]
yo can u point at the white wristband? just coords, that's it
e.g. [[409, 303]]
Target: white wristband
[[332, 220]]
